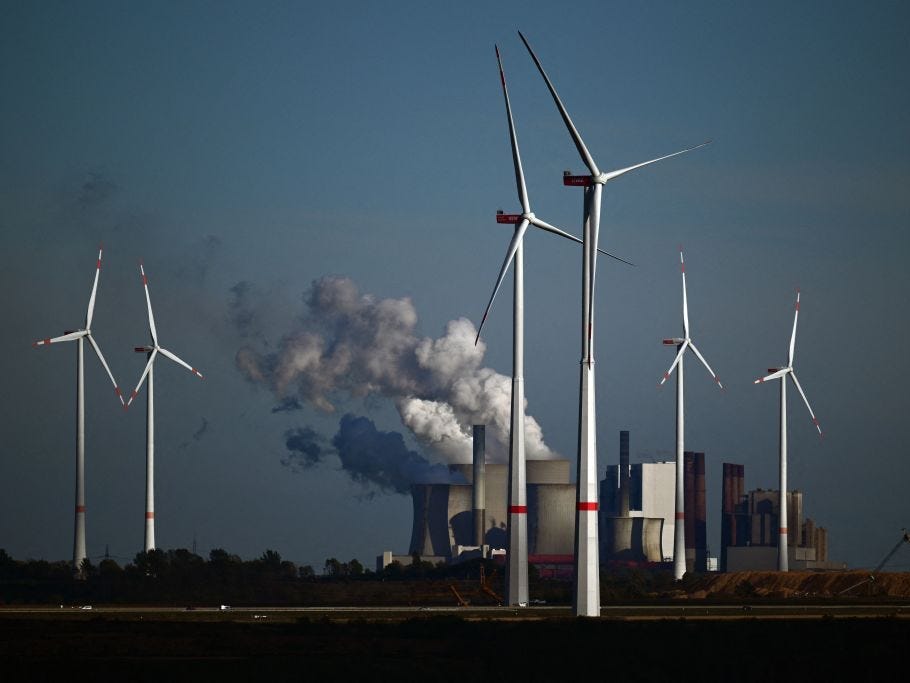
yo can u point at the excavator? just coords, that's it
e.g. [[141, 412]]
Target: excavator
[[905, 538], [485, 586]]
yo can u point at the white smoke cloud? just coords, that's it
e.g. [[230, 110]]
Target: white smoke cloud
[[349, 344]]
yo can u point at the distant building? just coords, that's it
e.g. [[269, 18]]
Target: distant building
[[652, 495], [750, 523]]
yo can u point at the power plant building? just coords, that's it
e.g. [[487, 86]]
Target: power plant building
[[750, 523], [458, 520]]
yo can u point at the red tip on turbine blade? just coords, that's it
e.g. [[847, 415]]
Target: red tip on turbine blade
[[666, 376], [47, 341], [98, 265]]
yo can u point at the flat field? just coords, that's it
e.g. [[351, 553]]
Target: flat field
[[640, 643]]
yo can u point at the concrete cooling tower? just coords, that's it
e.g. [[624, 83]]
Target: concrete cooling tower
[[444, 513]]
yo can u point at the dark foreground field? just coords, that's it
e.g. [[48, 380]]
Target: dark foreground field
[[274, 646]]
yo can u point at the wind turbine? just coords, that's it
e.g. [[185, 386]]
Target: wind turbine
[[682, 344], [152, 352], [586, 601], [517, 570], [79, 336], [782, 373]]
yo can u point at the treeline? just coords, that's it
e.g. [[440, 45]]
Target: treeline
[[182, 577]]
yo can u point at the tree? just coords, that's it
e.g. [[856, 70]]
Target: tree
[[271, 559]]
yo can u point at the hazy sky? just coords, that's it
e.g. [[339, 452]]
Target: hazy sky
[[274, 144]]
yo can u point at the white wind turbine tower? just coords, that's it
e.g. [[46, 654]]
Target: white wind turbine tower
[[152, 352], [782, 373], [682, 344], [517, 570], [79, 336], [586, 600]]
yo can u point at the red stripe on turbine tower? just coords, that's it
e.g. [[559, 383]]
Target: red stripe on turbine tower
[[150, 515], [80, 508], [518, 509], [680, 515], [587, 507]]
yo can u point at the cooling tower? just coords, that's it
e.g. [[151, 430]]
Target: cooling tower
[[632, 539]]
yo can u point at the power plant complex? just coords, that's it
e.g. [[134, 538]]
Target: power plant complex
[[454, 522]]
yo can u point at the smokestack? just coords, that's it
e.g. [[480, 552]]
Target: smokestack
[[701, 516], [689, 500], [479, 483], [624, 473], [727, 512]]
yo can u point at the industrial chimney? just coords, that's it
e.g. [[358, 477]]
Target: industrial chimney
[[479, 492], [624, 479]]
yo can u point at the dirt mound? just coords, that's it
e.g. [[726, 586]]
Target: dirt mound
[[801, 584]]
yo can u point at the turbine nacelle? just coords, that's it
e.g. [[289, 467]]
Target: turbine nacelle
[[675, 341], [143, 349]]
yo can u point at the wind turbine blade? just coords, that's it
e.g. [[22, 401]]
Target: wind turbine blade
[[682, 350], [148, 366], [682, 269], [513, 137], [69, 336], [91, 299], [705, 363], [806, 401], [793, 336], [535, 221], [773, 375], [148, 301], [576, 138], [513, 247], [173, 357], [622, 171], [106, 368]]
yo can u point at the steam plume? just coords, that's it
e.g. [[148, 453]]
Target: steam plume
[[374, 459], [349, 344]]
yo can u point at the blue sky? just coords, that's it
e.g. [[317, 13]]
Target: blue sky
[[278, 143]]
